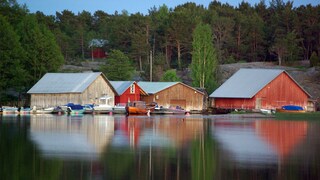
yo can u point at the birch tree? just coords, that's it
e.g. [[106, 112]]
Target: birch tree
[[204, 58]]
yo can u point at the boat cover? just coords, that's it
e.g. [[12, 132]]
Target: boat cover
[[292, 108]]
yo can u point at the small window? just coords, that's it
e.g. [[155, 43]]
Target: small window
[[132, 89]]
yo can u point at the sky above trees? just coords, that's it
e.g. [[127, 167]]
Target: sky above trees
[[49, 7]]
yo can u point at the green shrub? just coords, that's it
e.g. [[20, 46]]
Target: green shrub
[[314, 59]]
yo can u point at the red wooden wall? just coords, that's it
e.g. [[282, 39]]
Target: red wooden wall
[[98, 53], [127, 95], [234, 103], [281, 91]]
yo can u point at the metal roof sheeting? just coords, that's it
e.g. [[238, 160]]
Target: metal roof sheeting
[[64, 82], [245, 83], [121, 86], [154, 87]]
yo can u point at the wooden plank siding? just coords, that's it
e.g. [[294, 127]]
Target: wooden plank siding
[[95, 90], [179, 94], [282, 91], [279, 92], [234, 103]]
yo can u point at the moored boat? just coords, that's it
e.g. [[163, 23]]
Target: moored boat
[[119, 108], [267, 111], [60, 110], [88, 109], [104, 106], [177, 110], [75, 109], [24, 111], [9, 110], [102, 109], [139, 107], [34, 110], [170, 110], [290, 109]]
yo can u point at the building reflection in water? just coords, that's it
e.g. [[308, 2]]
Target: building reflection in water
[[282, 136], [163, 147], [75, 137], [259, 142], [156, 131], [88, 136]]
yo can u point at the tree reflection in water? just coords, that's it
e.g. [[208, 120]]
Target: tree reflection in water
[[20, 158]]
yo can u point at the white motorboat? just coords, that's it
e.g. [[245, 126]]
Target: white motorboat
[[9, 110], [104, 106], [120, 108], [49, 110]]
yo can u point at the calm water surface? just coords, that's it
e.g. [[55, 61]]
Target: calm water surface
[[157, 147]]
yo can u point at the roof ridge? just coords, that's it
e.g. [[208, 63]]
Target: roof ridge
[[83, 82]]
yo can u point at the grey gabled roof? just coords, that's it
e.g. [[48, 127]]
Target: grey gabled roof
[[155, 87], [64, 82], [121, 86], [245, 83]]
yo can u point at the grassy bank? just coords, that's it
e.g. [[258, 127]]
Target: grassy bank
[[298, 116]]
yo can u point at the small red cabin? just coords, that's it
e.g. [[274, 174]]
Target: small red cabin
[[98, 53], [259, 89], [127, 91]]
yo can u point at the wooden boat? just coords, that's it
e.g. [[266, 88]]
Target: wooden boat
[[139, 107], [290, 109]]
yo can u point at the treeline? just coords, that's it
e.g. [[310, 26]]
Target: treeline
[[263, 32], [33, 44], [28, 50]]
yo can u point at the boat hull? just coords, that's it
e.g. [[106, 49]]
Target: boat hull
[[169, 111], [102, 109], [9, 110], [136, 110], [118, 110], [139, 107], [76, 112]]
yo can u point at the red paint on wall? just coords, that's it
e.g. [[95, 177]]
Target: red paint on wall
[[129, 95], [98, 53], [279, 92]]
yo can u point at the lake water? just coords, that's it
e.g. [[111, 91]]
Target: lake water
[[157, 147]]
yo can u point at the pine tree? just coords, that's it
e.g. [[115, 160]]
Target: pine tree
[[11, 53], [170, 76], [42, 52], [118, 66]]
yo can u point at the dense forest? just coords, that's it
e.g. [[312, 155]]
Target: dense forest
[[32, 44]]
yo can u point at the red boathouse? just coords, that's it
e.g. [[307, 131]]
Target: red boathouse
[[259, 89], [127, 91]]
